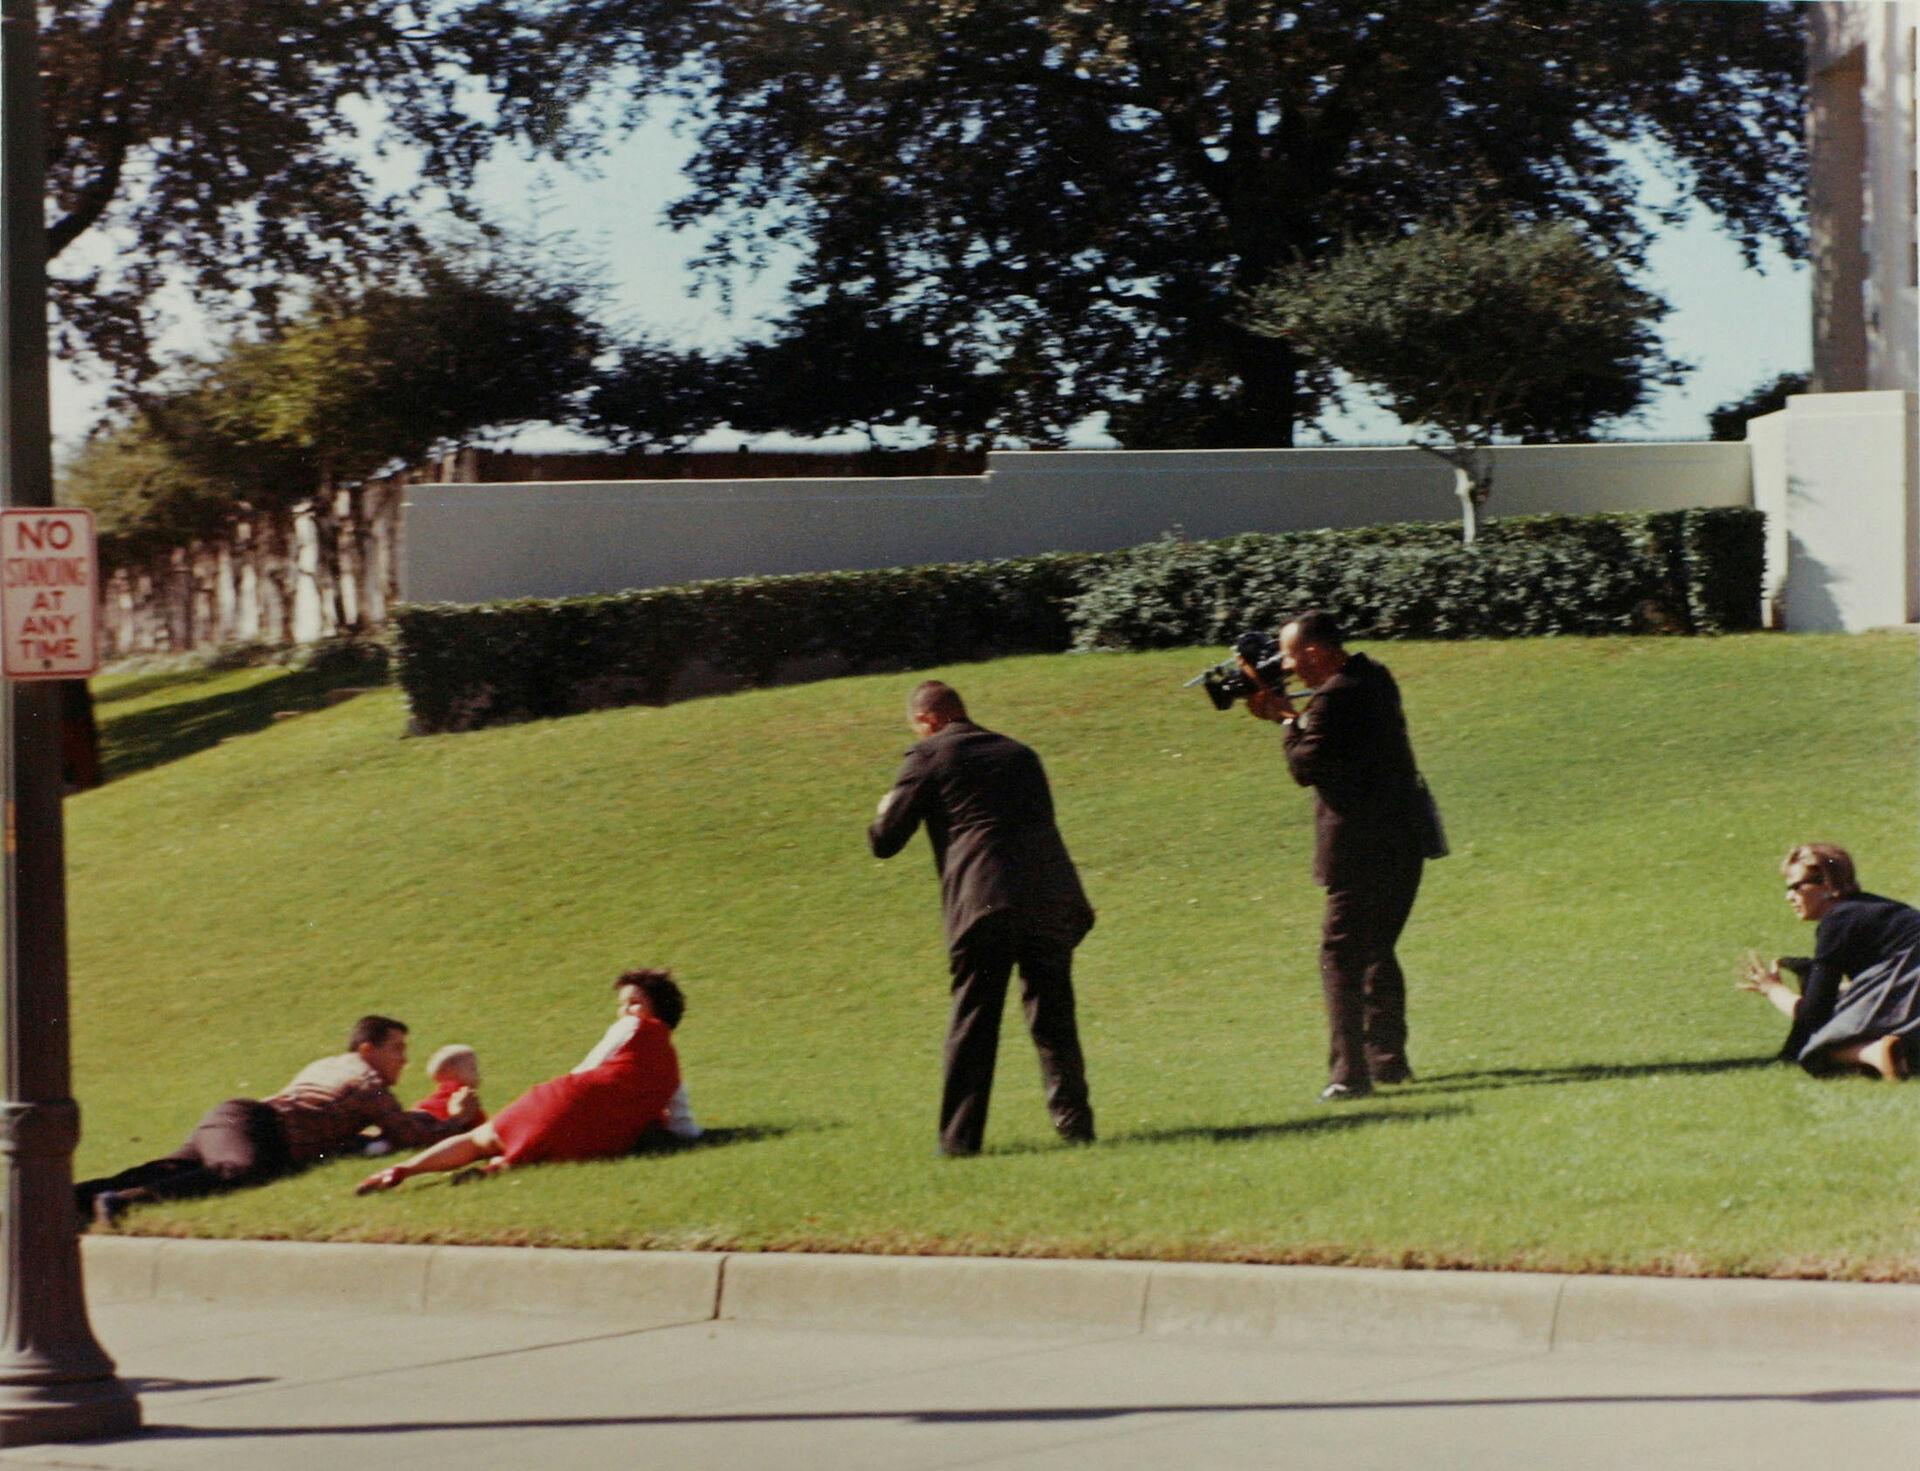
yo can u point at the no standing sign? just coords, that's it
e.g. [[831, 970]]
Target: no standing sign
[[49, 594]]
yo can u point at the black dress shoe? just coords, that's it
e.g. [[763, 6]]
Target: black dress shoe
[[1345, 1092], [1393, 1076], [108, 1208]]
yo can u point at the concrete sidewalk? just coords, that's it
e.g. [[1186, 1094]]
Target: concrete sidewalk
[[298, 1386], [1315, 1307]]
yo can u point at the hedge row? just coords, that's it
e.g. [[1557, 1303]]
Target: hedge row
[[1685, 571], [1671, 571], [465, 666]]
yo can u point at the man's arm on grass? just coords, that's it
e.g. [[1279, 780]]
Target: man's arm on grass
[[409, 1128]]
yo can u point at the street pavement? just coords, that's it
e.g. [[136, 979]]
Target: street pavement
[[289, 1386]]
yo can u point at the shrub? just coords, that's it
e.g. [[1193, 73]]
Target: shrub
[[1681, 571]]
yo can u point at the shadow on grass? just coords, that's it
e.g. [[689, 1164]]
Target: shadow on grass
[[664, 1143], [148, 738], [140, 686], [1342, 1122], [1595, 1072]]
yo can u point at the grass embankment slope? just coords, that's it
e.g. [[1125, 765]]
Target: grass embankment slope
[[1592, 1089]]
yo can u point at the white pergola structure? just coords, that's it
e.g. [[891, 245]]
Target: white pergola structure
[[1838, 471]]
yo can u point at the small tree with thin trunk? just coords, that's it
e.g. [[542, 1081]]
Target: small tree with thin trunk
[[1473, 334]]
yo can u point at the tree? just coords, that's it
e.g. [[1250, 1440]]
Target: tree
[[389, 373], [830, 368], [357, 382], [653, 397], [146, 498], [1729, 421], [232, 146], [1081, 196], [1528, 333]]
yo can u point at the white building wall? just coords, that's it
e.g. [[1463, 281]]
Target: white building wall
[[477, 543], [1835, 474]]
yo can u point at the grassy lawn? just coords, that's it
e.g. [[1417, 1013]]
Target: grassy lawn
[[1593, 1092]]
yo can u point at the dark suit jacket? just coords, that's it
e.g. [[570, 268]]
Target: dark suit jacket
[[1350, 745], [989, 815]]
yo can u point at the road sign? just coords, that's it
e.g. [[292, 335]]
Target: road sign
[[49, 594]]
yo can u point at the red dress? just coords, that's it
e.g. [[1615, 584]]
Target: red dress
[[598, 1114], [439, 1103]]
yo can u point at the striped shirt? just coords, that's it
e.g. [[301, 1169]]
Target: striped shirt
[[331, 1102]]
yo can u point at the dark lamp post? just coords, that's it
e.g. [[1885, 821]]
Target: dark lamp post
[[56, 1383]]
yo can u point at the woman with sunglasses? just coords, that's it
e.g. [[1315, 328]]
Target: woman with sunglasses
[[1858, 1007]]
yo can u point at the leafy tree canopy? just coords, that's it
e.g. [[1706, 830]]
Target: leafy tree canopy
[[1079, 197], [391, 372], [1525, 333], [1729, 421], [234, 147], [146, 497], [356, 382]]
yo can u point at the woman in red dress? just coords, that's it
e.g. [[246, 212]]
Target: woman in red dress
[[597, 1114]]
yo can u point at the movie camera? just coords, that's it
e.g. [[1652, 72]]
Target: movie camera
[[1229, 680]]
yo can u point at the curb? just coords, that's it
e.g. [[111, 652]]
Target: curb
[[1304, 1306]]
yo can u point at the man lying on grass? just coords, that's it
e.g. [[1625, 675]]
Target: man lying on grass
[[599, 1113], [323, 1111]]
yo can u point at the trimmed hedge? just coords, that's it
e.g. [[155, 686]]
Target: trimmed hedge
[[1670, 571], [465, 666]]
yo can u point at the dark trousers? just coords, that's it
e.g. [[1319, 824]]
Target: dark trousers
[[239, 1142], [1365, 991], [982, 961]]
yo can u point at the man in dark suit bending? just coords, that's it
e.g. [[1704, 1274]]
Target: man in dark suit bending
[[1010, 896]]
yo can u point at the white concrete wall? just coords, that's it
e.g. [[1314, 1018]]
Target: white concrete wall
[[1767, 440], [1836, 474], [477, 543]]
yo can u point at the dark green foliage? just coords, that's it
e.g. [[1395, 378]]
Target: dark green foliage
[[1678, 571], [229, 149], [1038, 212], [1729, 421], [1726, 558], [468, 666], [1480, 329]]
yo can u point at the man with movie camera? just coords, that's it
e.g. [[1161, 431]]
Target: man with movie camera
[[1374, 827]]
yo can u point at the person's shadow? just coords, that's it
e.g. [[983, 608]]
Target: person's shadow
[[659, 1141], [1349, 1118], [1346, 1119], [1483, 1079]]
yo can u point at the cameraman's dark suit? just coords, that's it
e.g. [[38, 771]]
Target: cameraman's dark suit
[[1370, 830], [1010, 896]]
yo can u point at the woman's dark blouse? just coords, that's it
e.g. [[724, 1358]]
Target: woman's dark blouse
[[1858, 931]]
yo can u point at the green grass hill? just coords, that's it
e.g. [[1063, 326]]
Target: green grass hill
[[1593, 1093]]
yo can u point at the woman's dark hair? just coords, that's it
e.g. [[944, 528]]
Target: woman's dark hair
[[664, 997], [374, 1030], [1832, 863]]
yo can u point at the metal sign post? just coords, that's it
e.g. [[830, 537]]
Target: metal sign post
[[56, 1383]]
